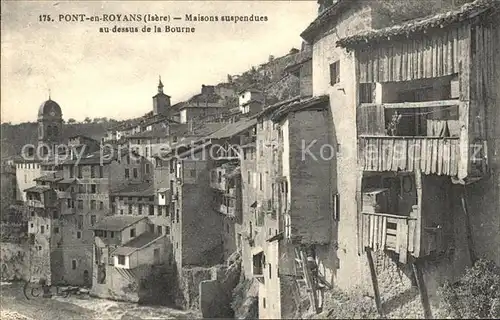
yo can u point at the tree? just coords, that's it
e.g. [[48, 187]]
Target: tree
[[87, 120], [71, 120]]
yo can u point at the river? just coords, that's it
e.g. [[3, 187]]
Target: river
[[14, 306]]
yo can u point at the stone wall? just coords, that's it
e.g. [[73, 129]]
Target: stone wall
[[190, 279], [15, 261], [216, 294]]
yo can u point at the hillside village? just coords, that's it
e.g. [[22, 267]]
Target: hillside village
[[364, 163]]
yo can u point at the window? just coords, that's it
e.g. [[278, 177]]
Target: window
[[127, 173], [92, 204], [177, 215], [33, 213], [336, 207], [147, 166], [335, 73], [121, 211], [249, 178], [71, 172], [92, 220], [152, 210], [192, 173], [159, 230], [80, 204], [79, 221], [219, 179], [92, 171], [78, 234], [132, 233], [135, 172], [56, 230], [112, 234], [139, 209], [101, 173], [121, 260], [73, 264], [101, 206], [93, 188], [42, 229], [260, 182], [269, 268], [80, 172], [129, 209], [167, 230]]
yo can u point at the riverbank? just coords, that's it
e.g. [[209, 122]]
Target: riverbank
[[14, 304]]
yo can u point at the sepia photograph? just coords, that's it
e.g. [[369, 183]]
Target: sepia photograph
[[250, 159]]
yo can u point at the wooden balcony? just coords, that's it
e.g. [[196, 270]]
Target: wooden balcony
[[227, 210], [35, 204], [382, 231], [431, 155]]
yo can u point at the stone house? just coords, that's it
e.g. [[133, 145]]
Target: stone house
[[411, 86], [125, 253]]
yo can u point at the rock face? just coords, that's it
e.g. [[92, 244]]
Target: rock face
[[216, 293], [189, 286], [15, 261], [245, 302]]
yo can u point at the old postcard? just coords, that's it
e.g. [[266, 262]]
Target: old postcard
[[326, 159]]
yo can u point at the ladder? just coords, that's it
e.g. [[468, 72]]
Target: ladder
[[304, 278]]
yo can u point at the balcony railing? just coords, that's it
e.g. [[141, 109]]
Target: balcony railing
[[227, 210], [382, 231], [431, 155], [35, 204]]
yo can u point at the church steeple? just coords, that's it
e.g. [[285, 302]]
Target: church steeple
[[160, 85], [161, 101]]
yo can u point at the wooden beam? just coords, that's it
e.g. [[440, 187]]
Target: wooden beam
[[415, 105], [418, 214], [468, 228], [373, 273], [424, 298], [395, 216]]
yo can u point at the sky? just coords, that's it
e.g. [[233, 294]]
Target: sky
[[115, 75]]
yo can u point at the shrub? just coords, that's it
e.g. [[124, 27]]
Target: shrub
[[476, 294]]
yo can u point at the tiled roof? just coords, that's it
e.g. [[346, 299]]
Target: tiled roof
[[205, 98], [441, 20], [144, 189], [38, 189], [232, 129], [116, 223], [270, 109], [53, 177], [326, 16], [137, 243], [194, 150], [299, 105], [179, 130], [106, 157]]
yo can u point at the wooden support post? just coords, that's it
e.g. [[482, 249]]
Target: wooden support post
[[424, 298], [373, 273], [468, 229], [418, 214]]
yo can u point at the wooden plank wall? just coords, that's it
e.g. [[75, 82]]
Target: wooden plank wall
[[371, 120], [482, 81], [428, 155], [426, 56]]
